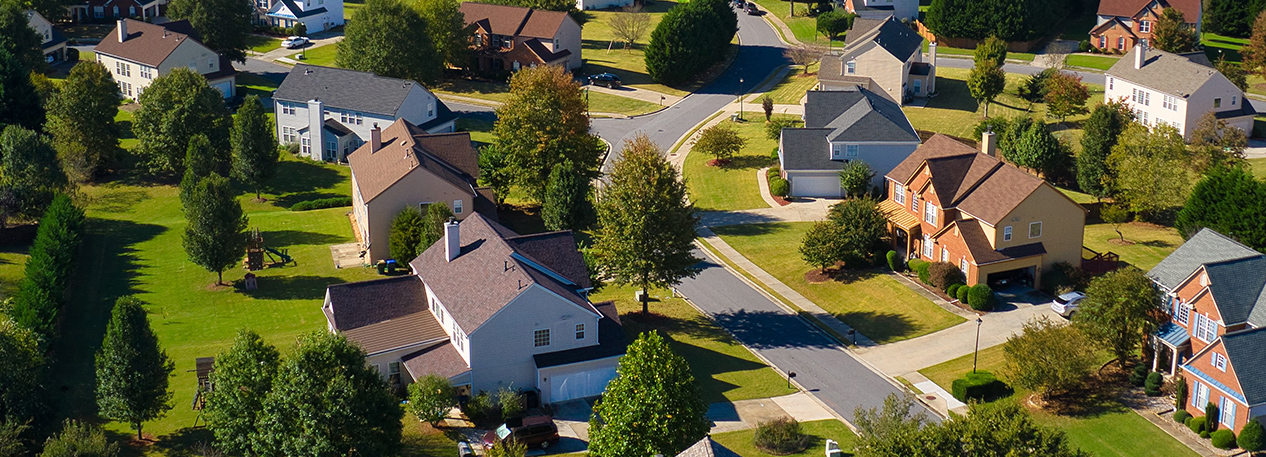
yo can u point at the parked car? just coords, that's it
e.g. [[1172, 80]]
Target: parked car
[[1065, 305], [605, 79], [740, 4], [533, 431], [751, 10], [295, 42]]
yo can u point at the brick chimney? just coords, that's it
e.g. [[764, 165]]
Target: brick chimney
[[1140, 55], [375, 138], [989, 143], [122, 30], [452, 239]]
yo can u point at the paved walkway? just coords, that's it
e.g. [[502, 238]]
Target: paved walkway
[[746, 414], [800, 210], [762, 183], [645, 95]]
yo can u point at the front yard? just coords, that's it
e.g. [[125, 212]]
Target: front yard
[[874, 303], [603, 54], [818, 431], [1089, 61], [791, 89], [733, 186]]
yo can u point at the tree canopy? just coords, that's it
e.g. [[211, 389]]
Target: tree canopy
[[689, 39], [567, 205], [856, 178], [79, 439], [19, 102], [243, 377], [255, 153], [1230, 201], [1254, 53], [81, 120], [367, 47], [721, 141], [29, 174], [1171, 33], [1152, 169], [17, 37], [46, 275], [985, 83], [447, 29], [1048, 358], [174, 108], [406, 235], [1101, 131], [1217, 143], [21, 372], [630, 25], [431, 398], [223, 24], [1231, 17], [437, 214], [1038, 150], [1065, 95], [1120, 309], [132, 370], [215, 237], [1010, 20]]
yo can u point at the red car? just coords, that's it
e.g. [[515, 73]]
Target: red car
[[534, 431]]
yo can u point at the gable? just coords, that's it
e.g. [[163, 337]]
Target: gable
[[535, 306], [1202, 368], [1050, 200]]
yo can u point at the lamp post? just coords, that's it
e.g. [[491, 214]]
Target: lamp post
[[740, 97], [976, 354]]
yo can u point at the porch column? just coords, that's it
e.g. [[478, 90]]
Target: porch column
[[1173, 368], [1156, 355]]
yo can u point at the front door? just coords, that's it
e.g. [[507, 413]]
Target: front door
[[918, 87]]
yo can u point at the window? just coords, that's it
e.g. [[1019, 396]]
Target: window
[[393, 369], [430, 109], [457, 206], [1180, 312], [1006, 233], [1170, 103], [288, 135], [331, 148], [1121, 43], [1226, 408], [1144, 117], [850, 67], [1217, 103], [914, 203], [944, 254], [851, 150], [1103, 43], [1201, 396], [1142, 97], [342, 117], [131, 11], [929, 213], [1147, 98], [1145, 26], [1035, 229], [147, 72], [962, 265], [899, 193], [927, 245], [540, 338], [1234, 98], [835, 151], [1110, 79], [1218, 361], [116, 11], [580, 331], [122, 69], [359, 119], [287, 108], [1206, 329], [98, 12], [306, 147]]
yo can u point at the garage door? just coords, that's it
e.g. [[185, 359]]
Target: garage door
[[225, 88], [815, 186], [580, 384]]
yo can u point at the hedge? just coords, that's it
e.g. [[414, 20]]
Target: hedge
[[780, 436], [1181, 416], [779, 187], [976, 386], [962, 292], [894, 261], [1138, 376], [952, 290], [1196, 424], [921, 267], [42, 290], [322, 203], [980, 297], [1223, 439], [942, 274]]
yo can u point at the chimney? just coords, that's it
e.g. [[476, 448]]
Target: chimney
[[122, 30], [932, 53], [1140, 55], [375, 138], [989, 143], [452, 240]]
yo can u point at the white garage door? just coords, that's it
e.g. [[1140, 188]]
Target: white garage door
[[815, 186], [581, 384], [225, 88]]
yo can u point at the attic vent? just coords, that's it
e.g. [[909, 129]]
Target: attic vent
[[307, 71]]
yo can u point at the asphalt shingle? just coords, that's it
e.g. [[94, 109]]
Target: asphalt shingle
[[344, 89], [1246, 350], [1165, 72], [1205, 247]]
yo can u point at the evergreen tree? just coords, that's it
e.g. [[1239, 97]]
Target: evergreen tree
[[42, 290], [254, 145], [1171, 32], [174, 108], [651, 407], [1229, 17], [1120, 309], [406, 235], [1037, 150], [567, 204], [79, 439], [19, 102], [243, 377], [688, 40], [18, 38], [1229, 201], [132, 370], [646, 225], [29, 174], [81, 120], [223, 24], [200, 161], [432, 230], [1103, 127], [397, 55], [21, 372], [447, 27], [215, 237], [991, 52]]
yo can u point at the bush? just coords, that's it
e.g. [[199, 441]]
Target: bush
[[1223, 439], [773, 129], [1205, 434], [1152, 387], [922, 268], [980, 297], [974, 386], [962, 292], [1139, 375], [942, 274], [773, 155], [779, 187], [1084, 46], [894, 261], [952, 290], [1180, 392], [1211, 413], [1196, 424], [511, 403], [1182, 416], [322, 203], [780, 436], [1064, 276], [481, 410], [1251, 436]]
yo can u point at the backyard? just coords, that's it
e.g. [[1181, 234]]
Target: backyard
[[1145, 245], [874, 303], [733, 186], [602, 53]]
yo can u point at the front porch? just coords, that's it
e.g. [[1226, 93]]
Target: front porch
[[1171, 346], [903, 229]]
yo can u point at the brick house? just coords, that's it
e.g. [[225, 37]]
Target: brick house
[[99, 10], [510, 37], [1121, 24], [948, 202], [1215, 294]]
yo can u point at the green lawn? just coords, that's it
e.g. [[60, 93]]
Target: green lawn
[[802, 26], [734, 186], [126, 140], [793, 86], [724, 369], [323, 56], [946, 50], [13, 254], [1216, 46], [819, 431], [600, 102], [350, 7], [1258, 167], [875, 304], [480, 130], [252, 84], [602, 54], [1148, 244], [1087, 61], [955, 112], [262, 43], [492, 91]]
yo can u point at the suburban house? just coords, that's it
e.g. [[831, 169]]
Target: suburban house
[[1215, 294], [329, 112], [114, 9], [316, 15], [136, 52], [1185, 91], [405, 166], [841, 126], [487, 309], [948, 202], [510, 37], [902, 10], [53, 44], [1122, 24], [882, 55]]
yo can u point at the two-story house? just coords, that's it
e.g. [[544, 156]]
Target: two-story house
[[510, 37], [948, 202], [1122, 24], [487, 308], [404, 166], [316, 15], [882, 55], [902, 10], [53, 42], [1166, 88], [842, 126], [329, 111], [114, 9], [136, 52], [1215, 295]]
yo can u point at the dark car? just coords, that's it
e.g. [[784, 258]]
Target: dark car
[[605, 79], [752, 11], [532, 431]]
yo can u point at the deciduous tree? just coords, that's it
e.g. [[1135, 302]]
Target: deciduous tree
[[1230, 201], [1038, 150], [19, 102], [79, 439], [1152, 169], [567, 204], [1102, 129], [767, 105], [1254, 53], [1048, 358], [200, 161], [406, 235], [21, 372], [1115, 214], [862, 226], [856, 177], [823, 245], [132, 370], [1066, 95], [174, 108], [651, 407], [1120, 309], [985, 83], [29, 174], [1233, 71], [630, 25], [990, 52], [400, 55], [431, 398], [223, 24], [243, 377], [1217, 143], [11, 442], [215, 237], [494, 172], [81, 120], [721, 141], [432, 230], [834, 23], [803, 55], [1171, 32], [255, 153], [447, 27], [18, 38]]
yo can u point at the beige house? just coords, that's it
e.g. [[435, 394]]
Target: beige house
[[136, 52], [510, 37], [404, 166], [881, 55], [1163, 88], [52, 41]]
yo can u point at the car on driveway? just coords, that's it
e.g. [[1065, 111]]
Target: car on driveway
[[532, 431], [752, 10], [295, 42], [1065, 305], [605, 79]]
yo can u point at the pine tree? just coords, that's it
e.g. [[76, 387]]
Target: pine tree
[[132, 370], [19, 102], [254, 145], [243, 377], [174, 108], [81, 120], [567, 204], [1230, 201], [215, 238], [1106, 122], [432, 230], [42, 290], [406, 235]]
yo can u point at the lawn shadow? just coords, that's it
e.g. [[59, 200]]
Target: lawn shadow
[[953, 95], [748, 230], [523, 219], [305, 287], [288, 200], [846, 276], [186, 442], [283, 238], [881, 327], [749, 162], [698, 327], [303, 176], [18, 238], [119, 200], [770, 330], [1156, 243]]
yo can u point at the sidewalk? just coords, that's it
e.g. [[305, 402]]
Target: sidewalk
[[745, 414], [645, 95]]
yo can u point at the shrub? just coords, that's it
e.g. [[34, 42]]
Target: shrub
[[1196, 424], [780, 436], [962, 293], [779, 187], [1251, 436], [922, 268], [773, 155], [511, 403], [481, 410], [1211, 413], [1139, 375], [1064, 276], [980, 297], [1153, 384], [322, 203], [1223, 439], [942, 274], [1205, 434], [773, 129], [952, 290], [894, 261], [1182, 416], [975, 386], [1180, 392]]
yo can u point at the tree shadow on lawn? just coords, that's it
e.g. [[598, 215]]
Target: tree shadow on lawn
[[882, 327], [953, 95], [697, 327], [283, 238], [706, 364], [770, 330], [756, 229], [303, 176], [288, 200], [749, 162], [185, 442], [305, 287]]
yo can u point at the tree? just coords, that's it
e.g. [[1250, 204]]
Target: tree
[[327, 402], [300, 29], [646, 225], [18, 38], [431, 398], [447, 28], [990, 52], [767, 105], [494, 171], [720, 141], [19, 102], [132, 370], [689, 39], [834, 23], [567, 205], [254, 145], [1035, 88], [79, 439], [507, 449], [773, 129], [406, 235], [1254, 53], [985, 84], [856, 177], [1048, 358], [651, 407], [1010, 20], [11, 442], [541, 124], [1251, 437], [823, 245], [200, 161], [802, 55], [631, 25], [223, 24], [81, 120], [437, 214], [1120, 309], [216, 235], [174, 108], [29, 174], [243, 377], [1229, 201], [1038, 150], [862, 228], [1231, 17], [1116, 215], [1171, 32], [1216, 143], [1152, 169], [891, 431], [403, 55], [42, 290], [21, 372], [1066, 95], [1233, 72], [998, 429], [1101, 131], [51, 9]]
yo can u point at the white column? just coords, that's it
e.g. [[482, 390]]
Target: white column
[[1173, 369]]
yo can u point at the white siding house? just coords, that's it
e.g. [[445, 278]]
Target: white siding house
[[316, 15], [136, 52], [1165, 88]]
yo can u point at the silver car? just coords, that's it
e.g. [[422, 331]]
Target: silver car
[[294, 42], [1065, 305]]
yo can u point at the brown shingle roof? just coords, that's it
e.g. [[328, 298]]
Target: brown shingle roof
[[513, 20], [358, 304], [406, 148], [1128, 8], [398, 333], [975, 183], [543, 24], [708, 448], [440, 360], [936, 146], [146, 43], [999, 193], [556, 251]]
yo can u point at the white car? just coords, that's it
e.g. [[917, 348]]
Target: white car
[[294, 42], [1065, 305]]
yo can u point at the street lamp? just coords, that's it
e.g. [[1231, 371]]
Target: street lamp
[[976, 354], [740, 97]]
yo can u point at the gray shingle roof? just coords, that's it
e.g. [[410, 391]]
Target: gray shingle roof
[[1236, 286], [857, 115], [707, 448], [344, 89], [1166, 72], [1246, 351], [296, 10], [1205, 247], [894, 37], [807, 149]]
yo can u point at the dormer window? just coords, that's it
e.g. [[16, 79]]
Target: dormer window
[[1145, 26]]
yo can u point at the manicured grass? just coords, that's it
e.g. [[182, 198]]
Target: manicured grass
[[600, 102], [1086, 61], [875, 304], [946, 50], [350, 7], [819, 431], [955, 112], [802, 26], [1258, 167], [734, 186], [492, 91], [603, 54], [252, 84], [127, 140], [323, 55], [1222, 46], [792, 87], [1150, 243], [1079, 197], [723, 368], [480, 131], [262, 43], [13, 256], [421, 440]]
